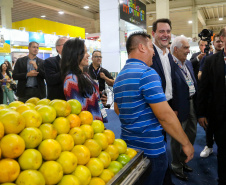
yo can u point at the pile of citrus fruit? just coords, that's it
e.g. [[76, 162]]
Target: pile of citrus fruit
[[54, 142]]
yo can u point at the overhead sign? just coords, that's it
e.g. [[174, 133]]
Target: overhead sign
[[133, 11]]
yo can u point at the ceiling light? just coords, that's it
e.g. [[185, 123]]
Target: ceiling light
[[189, 22], [221, 19], [86, 7], [61, 12], [43, 16]]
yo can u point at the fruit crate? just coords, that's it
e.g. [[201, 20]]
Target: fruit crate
[[130, 173]]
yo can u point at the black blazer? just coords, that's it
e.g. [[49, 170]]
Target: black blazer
[[157, 65], [55, 89], [181, 91], [211, 94], [195, 64], [20, 74]]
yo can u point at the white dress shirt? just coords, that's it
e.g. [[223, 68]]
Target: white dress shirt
[[167, 72]]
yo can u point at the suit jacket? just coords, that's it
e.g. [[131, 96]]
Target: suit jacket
[[54, 82], [157, 65], [20, 74], [211, 94], [181, 91], [195, 64]]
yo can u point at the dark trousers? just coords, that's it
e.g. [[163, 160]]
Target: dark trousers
[[209, 135], [29, 93], [220, 139]]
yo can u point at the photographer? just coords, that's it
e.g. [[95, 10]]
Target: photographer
[[197, 57]]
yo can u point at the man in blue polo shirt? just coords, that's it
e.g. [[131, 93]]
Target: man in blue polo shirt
[[144, 111]]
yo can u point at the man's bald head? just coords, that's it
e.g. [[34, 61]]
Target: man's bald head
[[135, 39]]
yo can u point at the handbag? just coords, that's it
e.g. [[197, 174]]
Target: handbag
[[13, 86]]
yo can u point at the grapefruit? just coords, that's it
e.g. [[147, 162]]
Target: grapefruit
[[107, 175], [110, 136], [86, 117], [98, 126], [32, 118], [112, 150], [131, 152], [31, 159], [96, 181], [10, 170], [93, 147], [33, 100], [48, 131], [88, 131], [50, 149], [105, 158], [66, 142], [69, 180], [74, 120], [12, 146], [101, 140], [95, 167], [83, 174], [78, 135], [76, 106], [22, 108], [44, 101], [48, 113], [68, 162], [15, 103], [28, 177], [82, 153], [121, 145], [62, 125], [63, 108]]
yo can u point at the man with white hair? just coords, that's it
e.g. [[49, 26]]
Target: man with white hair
[[185, 91]]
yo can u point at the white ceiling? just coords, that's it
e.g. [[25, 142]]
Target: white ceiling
[[209, 11]]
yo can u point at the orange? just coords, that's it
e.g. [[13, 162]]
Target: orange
[[82, 153], [66, 142], [4, 111], [112, 150], [78, 135], [48, 113], [50, 149], [76, 106], [31, 105], [31, 159], [38, 106], [32, 118], [93, 147], [1, 130], [13, 122], [101, 140], [10, 170], [48, 131], [28, 177], [32, 137], [74, 120], [115, 166], [131, 152], [88, 131], [105, 158], [44, 101], [83, 174], [63, 108], [33, 100], [121, 145], [15, 103], [62, 125], [95, 166], [98, 126], [22, 108], [69, 180], [107, 175], [96, 181], [12, 146], [86, 118], [52, 172], [110, 136], [68, 161], [3, 106]]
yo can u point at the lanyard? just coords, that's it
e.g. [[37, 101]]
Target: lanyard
[[96, 74], [185, 72]]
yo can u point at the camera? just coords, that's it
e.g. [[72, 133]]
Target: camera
[[206, 35]]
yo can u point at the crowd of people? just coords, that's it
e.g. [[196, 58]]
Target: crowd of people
[[158, 91]]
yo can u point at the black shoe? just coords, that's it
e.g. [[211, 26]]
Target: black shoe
[[187, 168], [180, 175]]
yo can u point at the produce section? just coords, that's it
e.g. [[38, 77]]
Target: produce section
[[54, 142]]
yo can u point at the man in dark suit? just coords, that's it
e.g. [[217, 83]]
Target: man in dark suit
[[212, 103], [54, 81], [163, 65], [197, 57], [185, 92], [29, 71]]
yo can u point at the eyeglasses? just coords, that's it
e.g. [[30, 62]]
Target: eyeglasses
[[97, 56]]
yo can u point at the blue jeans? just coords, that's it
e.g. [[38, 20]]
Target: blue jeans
[[155, 173]]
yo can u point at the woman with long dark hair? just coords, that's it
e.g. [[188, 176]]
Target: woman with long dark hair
[[78, 84], [5, 82]]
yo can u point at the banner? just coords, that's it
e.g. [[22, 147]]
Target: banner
[[133, 11]]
